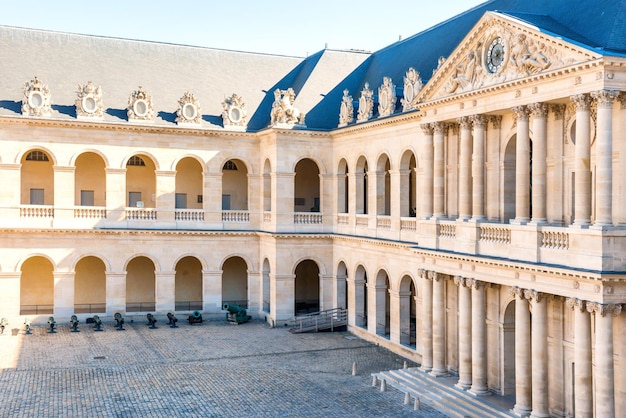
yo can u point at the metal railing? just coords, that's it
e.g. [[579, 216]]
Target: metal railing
[[36, 309], [140, 307], [317, 321], [90, 308], [195, 305]]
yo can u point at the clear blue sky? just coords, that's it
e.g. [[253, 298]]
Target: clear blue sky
[[277, 27]]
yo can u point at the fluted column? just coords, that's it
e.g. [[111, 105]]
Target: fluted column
[[427, 321], [479, 339], [465, 332], [604, 156], [427, 174], [539, 163], [539, 349], [582, 184], [465, 167], [604, 376], [522, 166], [438, 170], [583, 401], [478, 167], [439, 325], [522, 354]]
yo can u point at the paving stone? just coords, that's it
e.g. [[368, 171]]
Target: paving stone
[[214, 369]]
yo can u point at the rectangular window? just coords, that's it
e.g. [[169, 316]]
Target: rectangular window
[[36, 197], [225, 202], [86, 197], [181, 201], [134, 200]]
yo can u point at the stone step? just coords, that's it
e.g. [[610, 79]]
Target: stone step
[[448, 399]]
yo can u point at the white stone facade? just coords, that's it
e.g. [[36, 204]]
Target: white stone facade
[[478, 231]]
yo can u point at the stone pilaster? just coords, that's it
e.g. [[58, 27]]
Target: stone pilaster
[[439, 325], [582, 186], [539, 163], [427, 321], [465, 167], [479, 123], [522, 354], [479, 340], [438, 170], [427, 175], [465, 332], [522, 166], [583, 401], [539, 350]]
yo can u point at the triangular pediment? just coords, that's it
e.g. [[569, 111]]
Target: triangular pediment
[[499, 49]]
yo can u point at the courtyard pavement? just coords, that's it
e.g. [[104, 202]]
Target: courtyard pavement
[[213, 369]]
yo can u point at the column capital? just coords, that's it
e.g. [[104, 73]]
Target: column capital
[[427, 128], [438, 127], [433, 275], [478, 121], [575, 303], [582, 101], [604, 308], [496, 121], [536, 296], [465, 122], [474, 283], [605, 98], [516, 291], [423, 273], [558, 110], [460, 281], [521, 112], [538, 110]]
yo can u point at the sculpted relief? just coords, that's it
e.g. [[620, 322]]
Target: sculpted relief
[[283, 110], [500, 55]]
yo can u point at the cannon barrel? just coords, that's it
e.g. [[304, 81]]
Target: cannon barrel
[[120, 321], [151, 320], [232, 308], [236, 314], [74, 322], [98, 322], [27, 325], [195, 317], [52, 324], [172, 320]]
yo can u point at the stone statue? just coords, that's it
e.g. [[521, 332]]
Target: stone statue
[[283, 110], [346, 111]]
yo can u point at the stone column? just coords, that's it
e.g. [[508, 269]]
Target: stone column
[[427, 321], [522, 354], [439, 325], [64, 293], [438, 170], [479, 339], [522, 167], [116, 292], [478, 168], [582, 184], [465, 332], [282, 290], [604, 376], [539, 168], [539, 349], [427, 174], [465, 166], [212, 291], [604, 157], [583, 401], [165, 291]]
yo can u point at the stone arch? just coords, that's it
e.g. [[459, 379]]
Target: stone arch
[[306, 287], [307, 186], [507, 329], [235, 281], [380, 306], [90, 179], [102, 155], [408, 310], [90, 295], [360, 297], [140, 284], [267, 185], [341, 287], [266, 286], [189, 183], [343, 190], [36, 285], [21, 155], [188, 295], [383, 185], [361, 185], [37, 177], [408, 183], [141, 180], [235, 184]]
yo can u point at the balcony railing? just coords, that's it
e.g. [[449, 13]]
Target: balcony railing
[[383, 222], [343, 219], [236, 216], [500, 234], [90, 212], [90, 308], [189, 215], [408, 224], [188, 305], [140, 307], [36, 309], [267, 217], [362, 220], [447, 230], [307, 218], [557, 240], [141, 214], [37, 211]]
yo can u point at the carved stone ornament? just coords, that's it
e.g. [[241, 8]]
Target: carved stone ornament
[[283, 111], [140, 106], [89, 102], [346, 111], [188, 110], [498, 53], [234, 112], [366, 104], [386, 98], [412, 86], [36, 100]]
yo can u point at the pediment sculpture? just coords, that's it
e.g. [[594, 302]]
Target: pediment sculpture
[[37, 99], [386, 98], [89, 102], [140, 107], [346, 111], [283, 111], [412, 86], [234, 112], [366, 104], [188, 111]]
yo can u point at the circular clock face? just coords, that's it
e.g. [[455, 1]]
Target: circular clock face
[[495, 55]]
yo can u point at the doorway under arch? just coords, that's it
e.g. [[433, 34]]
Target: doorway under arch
[[37, 287], [307, 288], [235, 282], [188, 285], [90, 286]]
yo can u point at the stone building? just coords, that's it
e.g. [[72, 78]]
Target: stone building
[[461, 192]]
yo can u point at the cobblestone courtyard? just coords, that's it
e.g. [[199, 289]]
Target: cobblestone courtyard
[[214, 369]]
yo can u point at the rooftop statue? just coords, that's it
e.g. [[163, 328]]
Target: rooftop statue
[[283, 110], [346, 111]]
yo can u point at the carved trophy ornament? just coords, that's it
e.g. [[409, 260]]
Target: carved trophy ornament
[[386, 98], [234, 112], [140, 106], [36, 100], [366, 104], [346, 111], [283, 110], [188, 110], [412, 86], [89, 101]]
